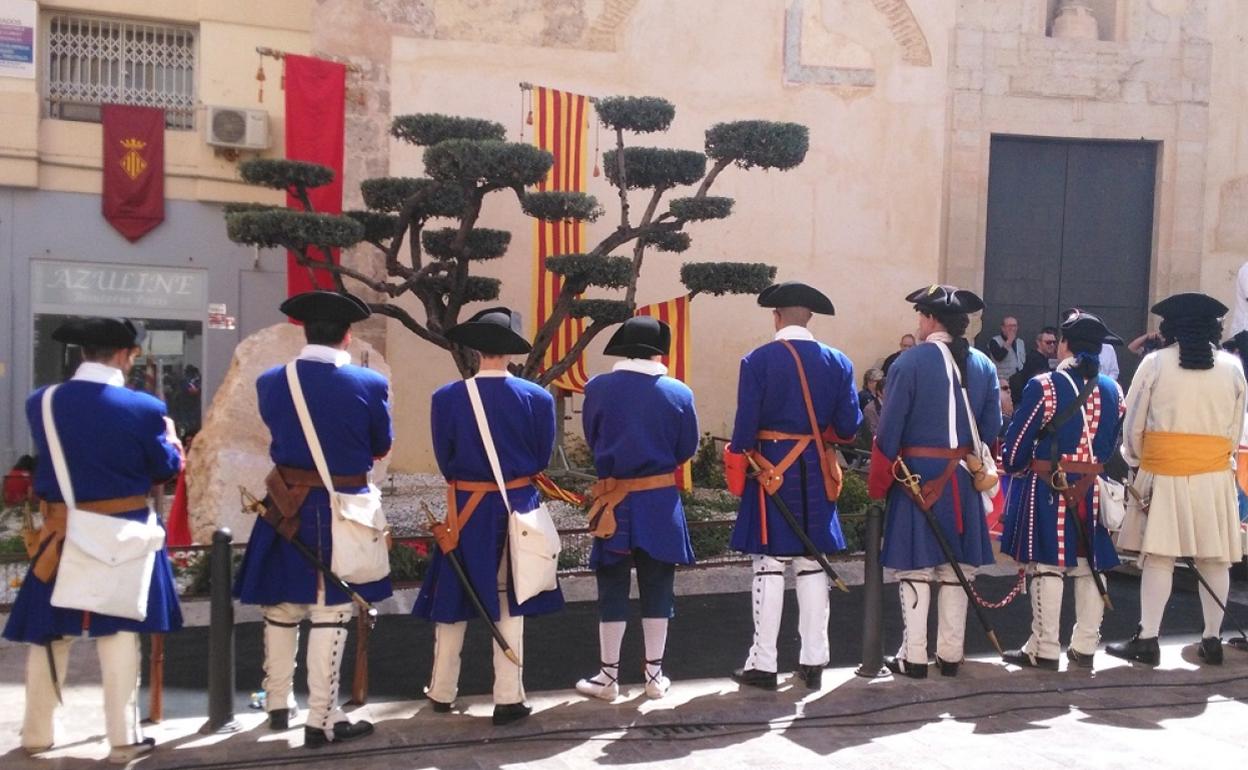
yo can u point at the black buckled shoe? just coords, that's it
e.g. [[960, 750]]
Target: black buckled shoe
[[439, 707], [279, 719], [506, 713], [314, 737], [906, 668], [1080, 659], [1024, 659], [947, 667], [812, 676], [752, 677], [1210, 650], [1146, 651]]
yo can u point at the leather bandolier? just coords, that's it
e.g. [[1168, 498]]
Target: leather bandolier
[[446, 533], [609, 492], [44, 545]]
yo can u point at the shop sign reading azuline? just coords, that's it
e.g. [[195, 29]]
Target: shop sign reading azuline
[[62, 284]]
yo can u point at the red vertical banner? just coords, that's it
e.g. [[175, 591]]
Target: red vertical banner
[[675, 313], [134, 168], [315, 102], [560, 122]]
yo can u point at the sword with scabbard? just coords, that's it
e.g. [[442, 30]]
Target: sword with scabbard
[[1058, 481], [811, 549], [452, 556], [1240, 643], [910, 483]]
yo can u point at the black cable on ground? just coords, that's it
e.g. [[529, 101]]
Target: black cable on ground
[[740, 727]]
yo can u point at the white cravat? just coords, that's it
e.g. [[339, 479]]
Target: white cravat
[[325, 354], [794, 333], [493, 373], [641, 366], [91, 371], [938, 336]]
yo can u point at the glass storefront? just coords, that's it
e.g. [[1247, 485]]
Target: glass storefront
[[171, 302]]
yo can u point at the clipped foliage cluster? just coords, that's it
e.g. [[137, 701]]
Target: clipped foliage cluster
[[282, 174], [503, 164], [377, 226], [427, 129], [654, 167], [481, 243], [590, 270], [639, 114], [477, 288], [391, 193], [605, 311], [292, 229], [558, 205], [239, 208], [720, 278], [668, 240], [761, 143], [699, 209]]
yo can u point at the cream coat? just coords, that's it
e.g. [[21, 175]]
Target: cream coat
[[1198, 515]]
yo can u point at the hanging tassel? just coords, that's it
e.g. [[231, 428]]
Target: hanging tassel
[[522, 113], [597, 147], [260, 80], [283, 73], [529, 119]]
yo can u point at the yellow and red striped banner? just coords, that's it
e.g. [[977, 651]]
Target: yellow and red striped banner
[[675, 313], [560, 120]]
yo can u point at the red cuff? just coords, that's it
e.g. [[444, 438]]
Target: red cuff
[[830, 436], [880, 477], [736, 467]]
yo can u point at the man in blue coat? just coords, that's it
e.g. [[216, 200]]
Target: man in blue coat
[[1039, 530], [794, 393], [349, 407], [521, 417], [641, 426], [116, 443], [934, 390]]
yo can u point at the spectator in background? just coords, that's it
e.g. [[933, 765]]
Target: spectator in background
[[1109, 362], [1042, 359], [1007, 404], [1238, 330], [1006, 350], [907, 342], [870, 387], [1146, 343]]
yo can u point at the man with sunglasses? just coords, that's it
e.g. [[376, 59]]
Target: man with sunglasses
[[1040, 360]]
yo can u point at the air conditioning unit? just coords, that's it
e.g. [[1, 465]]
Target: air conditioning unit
[[238, 128]]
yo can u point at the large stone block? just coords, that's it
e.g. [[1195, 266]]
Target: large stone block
[[232, 450]]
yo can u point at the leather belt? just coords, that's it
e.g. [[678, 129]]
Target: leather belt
[[933, 488], [302, 477], [456, 519], [1046, 466], [944, 453], [110, 506], [610, 492]]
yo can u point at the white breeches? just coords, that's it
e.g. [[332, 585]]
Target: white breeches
[[916, 595], [119, 671], [327, 640], [812, 607], [1047, 587]]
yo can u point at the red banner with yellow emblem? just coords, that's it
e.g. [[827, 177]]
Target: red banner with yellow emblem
[[134, 168]]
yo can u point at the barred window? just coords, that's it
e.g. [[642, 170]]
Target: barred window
[[93, 61]]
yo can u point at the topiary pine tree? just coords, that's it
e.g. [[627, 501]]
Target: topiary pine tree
[[467, 159]]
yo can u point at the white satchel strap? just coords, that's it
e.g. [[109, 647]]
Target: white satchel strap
[[951, 371], [483, 425], [54, 448], [309, 430]]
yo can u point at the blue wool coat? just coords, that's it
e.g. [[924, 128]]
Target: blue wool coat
[[916, 414], [521, 415], [350, 408], [769, 397], [641, 425], [1031, 514], [115, 446]]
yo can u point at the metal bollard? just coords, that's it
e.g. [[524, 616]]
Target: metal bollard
[[872, 597], [221, 640]]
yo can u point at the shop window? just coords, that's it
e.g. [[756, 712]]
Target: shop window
[[91, 60], [1085, 19], [170, 367]]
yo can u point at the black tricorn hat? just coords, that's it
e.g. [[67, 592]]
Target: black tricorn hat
[[495, 331], [1085, 327], [326, 306], [640, 337], [101, 332], [796, 294], [941, 298], [1190, 304]]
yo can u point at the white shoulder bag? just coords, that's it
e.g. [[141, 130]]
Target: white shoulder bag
[[357, 523], [1112, 494], [106, 561], [532, 539], [982, 451]]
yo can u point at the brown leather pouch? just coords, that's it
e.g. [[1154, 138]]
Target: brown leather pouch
[[281, 505]]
